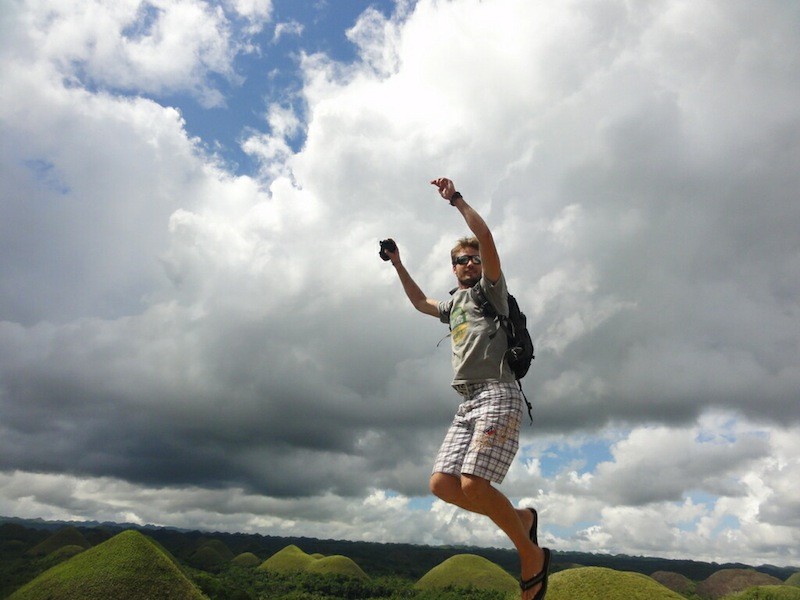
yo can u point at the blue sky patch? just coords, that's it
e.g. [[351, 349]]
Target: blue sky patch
[[46, 173]]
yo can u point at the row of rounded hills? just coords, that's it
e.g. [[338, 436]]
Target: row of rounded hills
[[131, 565]]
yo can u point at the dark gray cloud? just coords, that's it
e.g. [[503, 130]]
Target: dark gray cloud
[[221, 406]]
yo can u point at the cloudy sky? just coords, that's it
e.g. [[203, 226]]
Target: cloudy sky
[[196, 330]]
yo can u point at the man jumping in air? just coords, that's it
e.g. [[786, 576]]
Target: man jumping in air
[[484, 436]]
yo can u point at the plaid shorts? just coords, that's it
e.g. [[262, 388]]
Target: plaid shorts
[[484, 435]]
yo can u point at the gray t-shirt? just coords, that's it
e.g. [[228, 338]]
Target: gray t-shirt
[[478, 342]]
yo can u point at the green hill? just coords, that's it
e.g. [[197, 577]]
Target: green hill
[[207, 558], [68, 536], [793, 579], [292, 559], [336, 565], [600, 583], [767, 592], [164, 551], [675, 581], [468, 570], [289, 560], [246, 559], [732, 581], [127, 567], [59, 556], [219, 547]]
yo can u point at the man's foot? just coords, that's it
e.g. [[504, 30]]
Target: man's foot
[[533, 564], [535, 587]]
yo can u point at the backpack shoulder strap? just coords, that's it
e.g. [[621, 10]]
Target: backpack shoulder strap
[[488, 309], [479, 296]]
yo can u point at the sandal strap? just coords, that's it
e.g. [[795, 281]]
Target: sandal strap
[[540, 577], [529, 583]]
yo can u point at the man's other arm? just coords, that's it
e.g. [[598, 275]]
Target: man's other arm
[[418, 299]]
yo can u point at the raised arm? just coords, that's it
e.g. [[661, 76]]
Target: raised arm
[[476, 224], [418, 299]]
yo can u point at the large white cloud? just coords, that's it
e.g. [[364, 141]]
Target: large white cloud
[[142, 46], [167, 325]]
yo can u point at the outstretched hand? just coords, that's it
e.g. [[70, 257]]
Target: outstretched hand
[[446, 187], [389, 251]]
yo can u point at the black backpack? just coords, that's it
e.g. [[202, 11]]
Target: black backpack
[[520, 345]]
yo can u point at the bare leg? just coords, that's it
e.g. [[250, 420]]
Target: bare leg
[[477, 495]]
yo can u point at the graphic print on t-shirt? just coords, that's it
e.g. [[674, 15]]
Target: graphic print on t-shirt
[[458, 325]]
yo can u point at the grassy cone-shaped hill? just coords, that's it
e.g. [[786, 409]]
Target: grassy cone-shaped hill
[[289, 560], [337, 565], [675, 581], [732, 581], [468, 570], [794, 579], [768, 592], [129, 566], [69, 536], [600, 583], [207, 558], [219, 547], [59, 556], [246, 559]]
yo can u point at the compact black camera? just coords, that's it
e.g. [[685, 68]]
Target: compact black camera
[[387, 245]]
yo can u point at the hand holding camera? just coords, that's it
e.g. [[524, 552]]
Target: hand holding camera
[[388, 247]]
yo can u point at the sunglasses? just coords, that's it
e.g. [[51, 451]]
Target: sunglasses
[[465, 258]]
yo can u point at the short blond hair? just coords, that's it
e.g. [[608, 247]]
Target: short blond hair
[[464, 242]]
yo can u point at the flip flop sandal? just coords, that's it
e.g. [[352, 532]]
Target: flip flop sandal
[[540, 577]]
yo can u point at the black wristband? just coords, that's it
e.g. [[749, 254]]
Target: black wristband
[[455, 197]]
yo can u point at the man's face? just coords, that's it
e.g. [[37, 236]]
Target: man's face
[[467, 267]]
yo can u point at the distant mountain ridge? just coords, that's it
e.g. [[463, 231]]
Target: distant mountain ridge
[[54, 525], [393, 558]]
